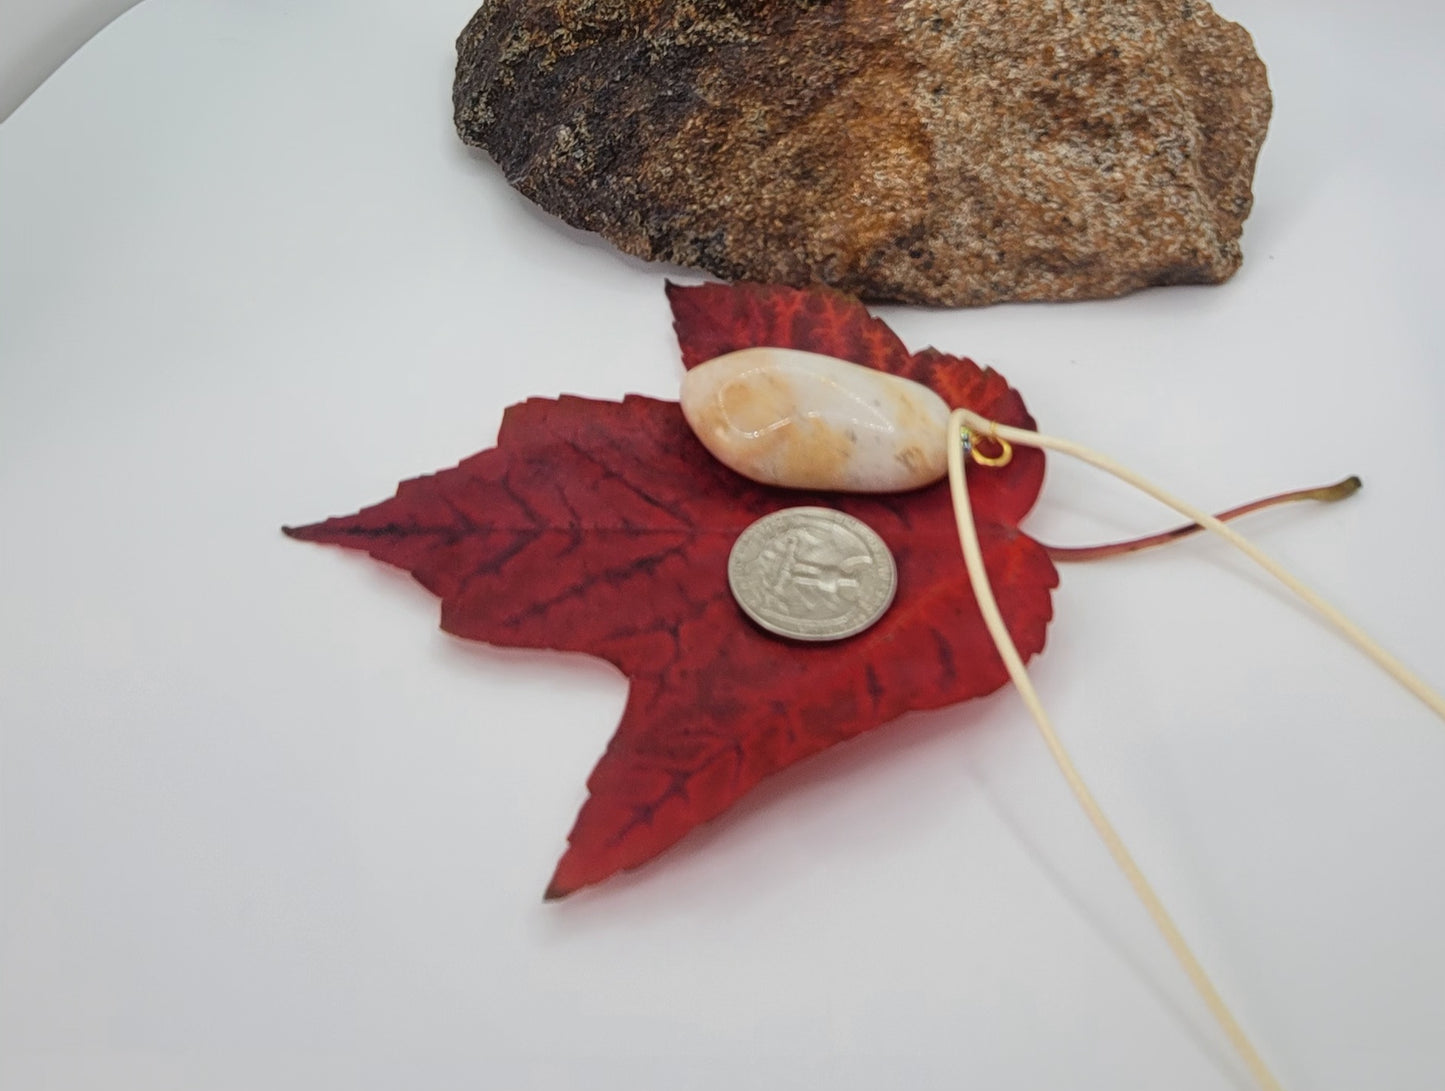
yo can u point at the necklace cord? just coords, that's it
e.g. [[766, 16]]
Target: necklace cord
[[983, 426], [962, 422]]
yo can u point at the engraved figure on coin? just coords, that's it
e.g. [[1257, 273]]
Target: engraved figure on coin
[[811, 573], [814, 572]]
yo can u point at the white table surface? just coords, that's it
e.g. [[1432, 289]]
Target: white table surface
[[265, 826], [40, 35]]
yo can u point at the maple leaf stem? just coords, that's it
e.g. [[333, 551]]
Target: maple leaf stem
[[1327, 494], [1408, 679]]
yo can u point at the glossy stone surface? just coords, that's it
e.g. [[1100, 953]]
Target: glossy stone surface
[[805, 421]]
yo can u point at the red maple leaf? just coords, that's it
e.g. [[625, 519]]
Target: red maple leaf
[[605, 527]]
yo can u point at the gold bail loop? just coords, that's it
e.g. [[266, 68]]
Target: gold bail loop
[[971, 445]]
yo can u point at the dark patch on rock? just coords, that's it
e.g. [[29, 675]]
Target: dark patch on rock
[[952, 152]]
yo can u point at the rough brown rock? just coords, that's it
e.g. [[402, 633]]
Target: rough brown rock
[[937, 151]]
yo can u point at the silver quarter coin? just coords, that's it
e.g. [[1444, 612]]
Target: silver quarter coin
[[812, 574]]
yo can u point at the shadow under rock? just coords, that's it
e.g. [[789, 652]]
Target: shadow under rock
[[488, 172]]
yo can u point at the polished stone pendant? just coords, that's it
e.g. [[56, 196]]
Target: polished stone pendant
[[805, 421]]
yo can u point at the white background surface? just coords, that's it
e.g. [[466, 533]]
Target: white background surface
[[265, 826], [36, 36]]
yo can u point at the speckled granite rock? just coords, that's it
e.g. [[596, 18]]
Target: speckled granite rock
[[952, 152]]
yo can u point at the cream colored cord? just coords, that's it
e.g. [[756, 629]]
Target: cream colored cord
[[963, 421], [983, 592], [981, 426]]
